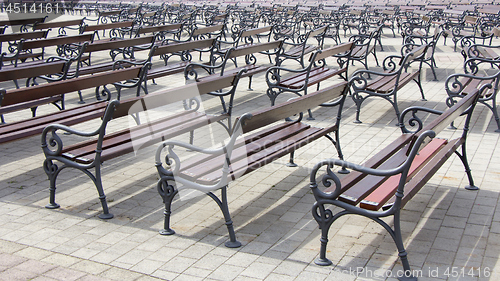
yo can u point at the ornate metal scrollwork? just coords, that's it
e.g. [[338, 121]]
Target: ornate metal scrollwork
[[53, 145]]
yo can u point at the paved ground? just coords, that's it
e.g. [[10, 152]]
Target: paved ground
[[449, 232]]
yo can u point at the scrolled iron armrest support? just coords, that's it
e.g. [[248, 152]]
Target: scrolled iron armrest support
[[56, 142], [471, 65], [272, 74], [172, 159]]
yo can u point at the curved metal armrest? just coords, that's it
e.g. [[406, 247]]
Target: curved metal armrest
[[55, 142]]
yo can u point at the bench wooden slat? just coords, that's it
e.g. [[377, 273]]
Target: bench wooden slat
[[354, 177], [13, 133], [193, 161], [368, 183], [423, 176], [159, 28], [241, 152], [104, 26], [262, 157], [118, 43], [284, 110], [255, 31], [208, 29], [66, 86], [25, 35], [386, 190], [27, 72], [34, 44], [254, 48], [178, 47], [47, 25]]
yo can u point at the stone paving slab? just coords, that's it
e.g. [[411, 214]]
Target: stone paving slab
[[445, 227]]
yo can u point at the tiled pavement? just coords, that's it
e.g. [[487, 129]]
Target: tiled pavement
[[446, 228]]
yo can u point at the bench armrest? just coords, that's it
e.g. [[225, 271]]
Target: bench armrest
[[52, 144], [175, 163]]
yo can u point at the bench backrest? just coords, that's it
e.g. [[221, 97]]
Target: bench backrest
[[279, 112], [121, 24], [13, 22], [119, 43], [47, 25], [256, 31], [332, 51], [61, 40], [158, 28], [184, 46], [208, 29], [167, 96], [37, 70], [24, 35], [67, 86], [252, 49]]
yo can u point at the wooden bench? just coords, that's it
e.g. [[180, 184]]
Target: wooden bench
[[61, 26], [386, 84], [297, 51], [387, 181], [283, 80], [116, 29], [251, 67], [488, 98], [67, 46], [24, 23], [89, 154], [471, 48], [14, 39], [32, 97], [265, 138]]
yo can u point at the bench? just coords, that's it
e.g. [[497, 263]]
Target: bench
[[387, 181], [14, 39], [297, 51], [66, 46], [61, 26], [116, 29], [265, 138], [24, 23], [89, 154], [488, 98], [386, 84], [472, 49], [251, 67], [283, 80], [32, 97]]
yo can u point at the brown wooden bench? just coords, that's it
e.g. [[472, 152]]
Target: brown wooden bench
[[297, 51], [386, 84], [89, 154], [24, 23], [251, 66], [116, 29], [13, 40], [61, 26], [67, 46], [387, 181], [473, 47], [265, 138], [283, 80], [32, 97]]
